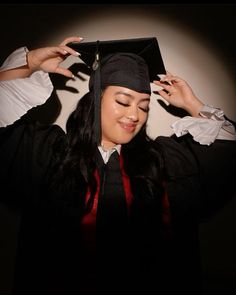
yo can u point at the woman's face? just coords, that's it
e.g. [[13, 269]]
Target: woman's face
[[123, 113]]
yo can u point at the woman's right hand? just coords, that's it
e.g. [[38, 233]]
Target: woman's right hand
[[48, 59]]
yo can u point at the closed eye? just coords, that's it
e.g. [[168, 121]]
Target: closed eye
[[146, 110], [122, 103]]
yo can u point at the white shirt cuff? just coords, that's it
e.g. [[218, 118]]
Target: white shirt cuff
[[15, 60], [207, 129], [20, 95]]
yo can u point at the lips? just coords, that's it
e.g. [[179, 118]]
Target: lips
[[129, 127]]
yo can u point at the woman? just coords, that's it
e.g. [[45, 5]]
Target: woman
[[89, 224]]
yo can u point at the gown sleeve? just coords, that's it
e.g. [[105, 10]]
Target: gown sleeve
[[20, 95], [211, 125], [200, 178], [27, 151]]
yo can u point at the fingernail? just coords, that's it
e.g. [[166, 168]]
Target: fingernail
[[81, 38], [73, 77], [78, 53]]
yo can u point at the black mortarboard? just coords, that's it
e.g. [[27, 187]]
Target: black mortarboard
[[131, 63]]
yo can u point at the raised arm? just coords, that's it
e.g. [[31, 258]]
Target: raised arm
[[208, 167], [204, 123], [24, 79], [178, 93], [46, 59]]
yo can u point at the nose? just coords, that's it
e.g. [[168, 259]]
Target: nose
[[132, 114]]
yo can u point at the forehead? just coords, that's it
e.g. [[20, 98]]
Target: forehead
[[124, 91]]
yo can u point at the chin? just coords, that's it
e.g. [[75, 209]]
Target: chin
[[124, 140]]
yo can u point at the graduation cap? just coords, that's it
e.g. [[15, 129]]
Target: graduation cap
[[132, 63]]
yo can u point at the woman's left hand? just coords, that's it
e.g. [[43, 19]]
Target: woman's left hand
[[178, 93]]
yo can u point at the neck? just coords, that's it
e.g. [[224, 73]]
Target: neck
[[107, 145]]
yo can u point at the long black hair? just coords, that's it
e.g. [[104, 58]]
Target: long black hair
[[142, 156]]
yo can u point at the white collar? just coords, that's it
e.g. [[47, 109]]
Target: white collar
[[107, 153]]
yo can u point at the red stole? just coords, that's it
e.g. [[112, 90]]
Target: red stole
[[89, 220]]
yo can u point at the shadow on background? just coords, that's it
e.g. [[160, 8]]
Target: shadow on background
[[217, 22]]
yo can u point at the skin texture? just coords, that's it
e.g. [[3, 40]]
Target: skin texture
[[178, 93], [47, 59], [124, 112], [173, 89]]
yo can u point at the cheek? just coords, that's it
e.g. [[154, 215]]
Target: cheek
[[110, 111], [143, 118], [142, 121]]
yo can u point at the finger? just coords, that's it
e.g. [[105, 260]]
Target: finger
[[171, 80], [167, 76], [70, 50], [57, 51], [64, 72], [64, 51], [164, 95], [163, 84], [71, 39]]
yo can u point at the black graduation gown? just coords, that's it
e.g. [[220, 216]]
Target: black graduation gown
[[199, 180]]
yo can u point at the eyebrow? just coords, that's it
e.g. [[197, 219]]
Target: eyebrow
[[131, 96]]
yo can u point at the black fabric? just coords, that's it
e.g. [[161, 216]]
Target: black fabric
[[125, 70], [147, 48], [121, 69], [210, 170], [130, 63], [96, 91], [48, 248], [112, 219], [112, 209]]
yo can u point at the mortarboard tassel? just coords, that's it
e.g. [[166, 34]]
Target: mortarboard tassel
[[97, 96]]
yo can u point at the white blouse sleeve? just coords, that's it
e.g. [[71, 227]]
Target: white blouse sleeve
[[17, 96], [207, 129]]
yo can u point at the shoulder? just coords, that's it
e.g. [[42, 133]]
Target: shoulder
[[34, 136], [31, 129], [184, 153], [47, 140], [179, 160], [46, 132]]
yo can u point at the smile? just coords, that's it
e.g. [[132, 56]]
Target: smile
[[129, 127]]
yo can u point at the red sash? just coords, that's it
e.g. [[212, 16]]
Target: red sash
[[89, 220]]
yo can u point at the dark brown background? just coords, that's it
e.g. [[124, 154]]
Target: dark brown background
[[24, 24]]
